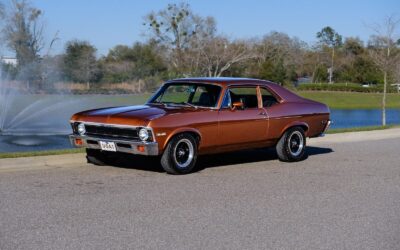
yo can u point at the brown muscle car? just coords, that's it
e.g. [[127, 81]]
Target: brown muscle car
[[193, 116]]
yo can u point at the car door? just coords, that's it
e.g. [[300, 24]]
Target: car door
[[270, 103], [241, 126]]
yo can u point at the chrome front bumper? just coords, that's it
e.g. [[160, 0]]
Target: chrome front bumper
[[147, 148]]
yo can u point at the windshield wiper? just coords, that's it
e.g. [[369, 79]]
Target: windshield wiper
[[159, 103], [188, 104], [175, 103]]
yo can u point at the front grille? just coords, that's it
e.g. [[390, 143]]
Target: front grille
[[125, 133]]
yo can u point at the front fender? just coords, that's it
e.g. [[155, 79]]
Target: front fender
[[178, 131]]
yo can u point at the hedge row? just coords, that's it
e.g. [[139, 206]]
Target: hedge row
[[350, 87], [99, 91]]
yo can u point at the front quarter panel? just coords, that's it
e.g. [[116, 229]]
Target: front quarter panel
[[201, 122]]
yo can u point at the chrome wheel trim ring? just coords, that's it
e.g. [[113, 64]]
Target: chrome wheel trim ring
[[184, 148], [296, 143]]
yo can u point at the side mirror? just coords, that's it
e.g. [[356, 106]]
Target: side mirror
[[238, 105]]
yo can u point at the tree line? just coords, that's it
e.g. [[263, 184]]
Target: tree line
[[181, 43]]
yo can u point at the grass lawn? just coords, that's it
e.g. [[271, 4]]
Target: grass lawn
[[352, 100], [41, 153], [358, 129]]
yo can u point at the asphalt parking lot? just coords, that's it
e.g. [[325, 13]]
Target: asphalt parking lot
[[346, 195]]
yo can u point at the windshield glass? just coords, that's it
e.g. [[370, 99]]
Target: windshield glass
[[191, 94]]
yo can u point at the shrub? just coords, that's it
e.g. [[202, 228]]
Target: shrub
[[349, 87]]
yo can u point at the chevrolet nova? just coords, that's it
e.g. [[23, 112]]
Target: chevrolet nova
[[193, 116]]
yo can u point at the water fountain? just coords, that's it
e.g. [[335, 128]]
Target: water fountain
[[30, 122]]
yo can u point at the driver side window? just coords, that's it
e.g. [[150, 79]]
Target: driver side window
[[245, 95]]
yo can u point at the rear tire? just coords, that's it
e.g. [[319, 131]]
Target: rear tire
[[180, 155], [292, 145]]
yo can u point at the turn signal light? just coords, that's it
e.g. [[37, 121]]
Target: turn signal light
[[141, 148], [78, 142]]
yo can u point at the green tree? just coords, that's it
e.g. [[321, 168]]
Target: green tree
[[330, 38], [273, 71], [280, 58], [360, 69], [125, 63], [80, 63], [353, 46]]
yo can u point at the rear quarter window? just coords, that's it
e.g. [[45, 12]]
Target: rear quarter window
[[268, 99]]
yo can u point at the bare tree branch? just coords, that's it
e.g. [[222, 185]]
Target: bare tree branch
[[382, 45]]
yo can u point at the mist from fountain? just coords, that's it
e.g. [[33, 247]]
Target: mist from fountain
[[29, 119], [6, 96], [30, 122]]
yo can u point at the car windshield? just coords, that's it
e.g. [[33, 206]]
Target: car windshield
[[189, 94]]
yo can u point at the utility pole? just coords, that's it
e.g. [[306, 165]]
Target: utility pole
[[330, 70]]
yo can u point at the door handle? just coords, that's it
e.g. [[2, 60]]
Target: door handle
[[262, 113]]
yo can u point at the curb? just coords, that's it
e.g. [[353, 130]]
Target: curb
[[359, 136], [42, 162]]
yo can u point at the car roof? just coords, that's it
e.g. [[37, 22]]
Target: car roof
[[283, 93], [222, 80]]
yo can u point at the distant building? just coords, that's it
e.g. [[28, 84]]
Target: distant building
[[302, 80], [9, 60], [397, 86]]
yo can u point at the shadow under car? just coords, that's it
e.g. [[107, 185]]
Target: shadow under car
[[123, 160]]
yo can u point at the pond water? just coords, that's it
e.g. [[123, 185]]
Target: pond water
[[340, 118], [363, 117]]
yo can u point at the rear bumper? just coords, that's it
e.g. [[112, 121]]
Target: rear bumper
[[132, 147], [328, 124]]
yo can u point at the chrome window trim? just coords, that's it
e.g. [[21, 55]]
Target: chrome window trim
[[224, 97], [215, 107]]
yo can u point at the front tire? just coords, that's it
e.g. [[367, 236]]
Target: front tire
[[180, 155], [292, 145]]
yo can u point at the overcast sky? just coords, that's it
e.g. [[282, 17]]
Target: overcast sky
[[106, 23]]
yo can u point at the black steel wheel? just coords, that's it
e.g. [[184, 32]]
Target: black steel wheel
[[292, 145], [180, 155]]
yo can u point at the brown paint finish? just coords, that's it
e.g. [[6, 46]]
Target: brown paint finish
[[242, 126], [221, 129]]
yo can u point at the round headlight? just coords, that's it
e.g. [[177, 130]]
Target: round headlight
[[143, 134], [81, 129]]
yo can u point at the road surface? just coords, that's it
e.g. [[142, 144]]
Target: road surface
[[346, 195]]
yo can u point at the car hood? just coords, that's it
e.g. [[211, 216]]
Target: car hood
[[138, 115]]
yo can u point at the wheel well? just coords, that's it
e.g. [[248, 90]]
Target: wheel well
[[304, 127], [194, 134]]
